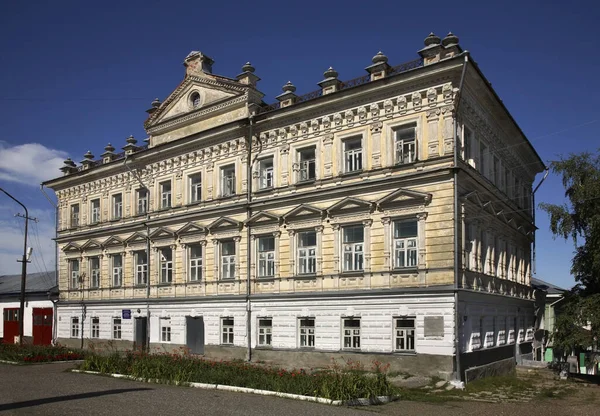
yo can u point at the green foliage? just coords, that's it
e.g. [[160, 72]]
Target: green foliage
[[335, 383], [38, 353], [577, 324]]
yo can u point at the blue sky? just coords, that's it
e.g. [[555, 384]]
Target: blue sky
[[74, 77]]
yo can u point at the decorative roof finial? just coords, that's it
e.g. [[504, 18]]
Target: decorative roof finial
[[69, 162], [288, 87], [330, 73], [248, 67], [156, 103], [450, 40], [379, 58], [432, 40], [88, 155], [131, 140]]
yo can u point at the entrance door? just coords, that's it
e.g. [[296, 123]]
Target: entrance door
[[140, 333], [42, 326], [10, 325], [194, 326]]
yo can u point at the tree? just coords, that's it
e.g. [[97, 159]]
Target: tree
[[578, 324]]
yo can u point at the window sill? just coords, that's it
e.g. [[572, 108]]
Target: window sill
[[351, 349], [305, 277], [115, 219], [193, 203], [353, 273], [264, 190], [351, 174], [306, 182], [163, 284], [263, 347], [407, 270], [140, 286], [406, 353]]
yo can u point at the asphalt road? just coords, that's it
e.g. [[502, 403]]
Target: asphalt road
[[50, 390]]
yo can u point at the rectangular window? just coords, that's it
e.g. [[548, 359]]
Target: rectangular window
[[507, 182], [117, 204], [266, 256], [165, 194], [496, 178], [95, 214], [74, 327], [227, 331], [227, 259], [405, 244], [353, 155], [228, 180], [405, 142], [477, 334], [404, 334], [521, 329], [307, 252], [95, 328], [351, 333], [307, 332], [142, 201], [75, 215], [468, 144], [195, 262], [265, 331], [117, 328], [483, 168], [166, 265], [266, 174], [165, 333], [94, 272], [117, 270], [307, 161], [353, 247], [141, 268], [74, 273], [195, 182]]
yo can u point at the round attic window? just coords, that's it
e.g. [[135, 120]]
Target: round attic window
[[195, 100]]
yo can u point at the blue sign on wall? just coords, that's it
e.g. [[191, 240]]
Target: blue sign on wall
[[126, 313]]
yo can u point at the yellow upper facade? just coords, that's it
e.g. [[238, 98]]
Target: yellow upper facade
[[355, 186]]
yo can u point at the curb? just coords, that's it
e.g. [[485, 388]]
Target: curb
[[236, 389], [40, 362]]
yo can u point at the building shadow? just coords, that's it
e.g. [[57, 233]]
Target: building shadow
[[48, 400]]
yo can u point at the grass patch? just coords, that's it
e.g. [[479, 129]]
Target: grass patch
[[28, 354], [336, 382]]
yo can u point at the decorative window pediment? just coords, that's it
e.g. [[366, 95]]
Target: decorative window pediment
[[303, 211], [91, 245], [349, 205], [224, 223], [135, 238], [190, 228], [162, 233], [262, 217], [404, 197], [112, 242], [71, 247]]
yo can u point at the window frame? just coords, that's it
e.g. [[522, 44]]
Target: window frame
[[95, 327], [266, 175], [74, 279], [406, 337], [231, 263], [165, 331], [304, 165], [229, 180], [166, 195], [75, 216], [94, 272], [140, 269], [353, 336], [356, 249], [117, 206], [195, 263], [116, 270], [406, 248], [165, 265], [227, 330], [95, 211], [142, 201], [304, 332], [194, 189], [75, 327], [353, 159], [306, 259], [265, 332], [266, 257], [117, 328], [400, 143]]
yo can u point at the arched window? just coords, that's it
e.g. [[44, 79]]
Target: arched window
[[195, 100]]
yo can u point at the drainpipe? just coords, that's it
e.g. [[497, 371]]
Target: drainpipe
[[148, 256], [546, 171], [54, 302], [249, 163], [457, 219]]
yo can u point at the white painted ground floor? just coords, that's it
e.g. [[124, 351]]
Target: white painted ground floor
[[407, 325]]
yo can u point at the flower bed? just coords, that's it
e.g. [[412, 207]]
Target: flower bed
[[335, 383], [38, 353]]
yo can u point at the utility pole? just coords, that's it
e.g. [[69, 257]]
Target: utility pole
[[24, 262]]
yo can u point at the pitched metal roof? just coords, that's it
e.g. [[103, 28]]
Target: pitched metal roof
[[547, 287], [35, 283]]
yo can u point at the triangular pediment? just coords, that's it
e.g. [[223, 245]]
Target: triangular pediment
[[162, 233], [196, 93], [190, 228], [113, 241], [404, 197], [303, 211], [135, 238], [223, 223], [91, 245], [349, 205], [70, 247], [263, 217]]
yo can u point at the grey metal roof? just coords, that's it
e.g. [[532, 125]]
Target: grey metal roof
[[36, 282], [548, 287]]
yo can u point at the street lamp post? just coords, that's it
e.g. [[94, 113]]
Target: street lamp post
[[24, 262]]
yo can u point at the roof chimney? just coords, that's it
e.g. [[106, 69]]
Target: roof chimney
[[198, 64]]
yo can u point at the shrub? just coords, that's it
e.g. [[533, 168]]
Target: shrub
[[38, 353], [335, 382]]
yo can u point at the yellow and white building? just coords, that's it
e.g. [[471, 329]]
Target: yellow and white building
[[389, 216]]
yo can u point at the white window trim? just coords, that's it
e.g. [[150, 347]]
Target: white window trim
[[395, 337], [296, 246], [169, 265], [94, 329], [219, 263], [93, 275], [72, 277], [221, 179], [388, 232], [389, 138], [257, 172], [402, 126], [137, 199], [365, 244], [77, 328], [143, 270], [166, 331], [222, 327], [294, 161], [188, 260], [114, 328], [188, 186], [308, 335], [162, 195], [352, 334], [113, 206], [113, 269], [267, 334], [94, 211], [73, 224]]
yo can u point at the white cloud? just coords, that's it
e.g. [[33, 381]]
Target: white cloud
[[29, 163], [40, 237]]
